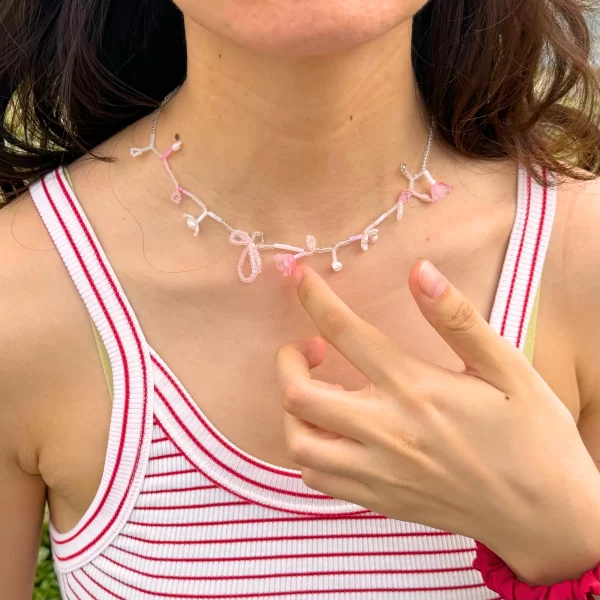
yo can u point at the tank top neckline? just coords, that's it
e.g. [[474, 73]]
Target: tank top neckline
[[145, 388]]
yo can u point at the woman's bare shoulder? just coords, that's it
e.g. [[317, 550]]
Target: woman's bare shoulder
[[40, 312], [36, 288]]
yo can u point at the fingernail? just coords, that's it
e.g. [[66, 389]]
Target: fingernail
[[297, 276], [431, 281]]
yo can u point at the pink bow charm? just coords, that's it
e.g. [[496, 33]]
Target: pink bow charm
[[249, 242]]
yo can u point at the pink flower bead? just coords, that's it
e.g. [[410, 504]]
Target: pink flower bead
[[285, 263], [439, 190]]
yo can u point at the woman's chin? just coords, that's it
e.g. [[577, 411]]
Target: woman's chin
[[305, 43], [300, 28]]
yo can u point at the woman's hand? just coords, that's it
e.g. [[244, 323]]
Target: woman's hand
[[490, 453]]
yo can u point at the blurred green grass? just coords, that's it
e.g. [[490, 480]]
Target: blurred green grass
[[46, 584]]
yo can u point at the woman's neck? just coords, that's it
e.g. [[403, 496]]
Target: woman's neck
[[283, 144]]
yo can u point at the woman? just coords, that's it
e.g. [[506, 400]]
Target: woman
[[360, 470]]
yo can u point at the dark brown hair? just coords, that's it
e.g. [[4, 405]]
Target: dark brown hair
[[503, 78]]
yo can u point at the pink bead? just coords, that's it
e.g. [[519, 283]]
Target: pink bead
[[439, 190], [285, 263], [174, 148], [404, 197]]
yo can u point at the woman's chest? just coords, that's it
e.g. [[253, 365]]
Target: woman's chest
[[221, 345], [225, 358]]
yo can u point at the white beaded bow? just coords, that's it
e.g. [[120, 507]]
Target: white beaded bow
[[249, 242]]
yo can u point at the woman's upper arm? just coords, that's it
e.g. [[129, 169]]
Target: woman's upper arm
[[22, 498], [22, 490]]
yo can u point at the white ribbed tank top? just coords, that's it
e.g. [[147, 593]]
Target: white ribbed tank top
[[181, 512]]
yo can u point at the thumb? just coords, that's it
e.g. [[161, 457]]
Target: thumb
[[484, 352]]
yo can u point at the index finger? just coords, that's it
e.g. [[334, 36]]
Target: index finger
[[368, 349]]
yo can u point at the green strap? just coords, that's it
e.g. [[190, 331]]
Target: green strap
[[68, 177], [530, 336], [104, 360]]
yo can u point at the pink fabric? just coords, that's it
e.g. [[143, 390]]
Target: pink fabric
[[500, 579]]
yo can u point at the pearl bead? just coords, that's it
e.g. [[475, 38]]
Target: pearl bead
[[337, 266]]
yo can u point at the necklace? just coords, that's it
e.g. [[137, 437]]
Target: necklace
[[253, 244]]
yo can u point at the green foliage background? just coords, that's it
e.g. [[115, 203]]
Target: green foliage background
[[46, 584]]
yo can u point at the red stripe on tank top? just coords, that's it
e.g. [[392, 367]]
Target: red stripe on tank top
[[190, 506], [264, 520], [83, 587], [71, 590], [167, 473], [297, 556], [225, 467], [132, 327], [518, 261], [175, 490], [289, 593], [161, 456], [289, 538], [216, 435], [534, 261], [290, 574], [103, 588], [123, 359], [256, 502], [125, 368]]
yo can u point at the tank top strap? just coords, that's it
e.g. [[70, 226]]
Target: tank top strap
[[522, 271], [132, 375]]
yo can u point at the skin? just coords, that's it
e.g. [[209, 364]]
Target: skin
[[297, 100]]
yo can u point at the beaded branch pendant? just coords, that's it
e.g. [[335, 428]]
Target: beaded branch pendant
[[250, 261]]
